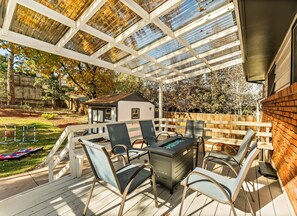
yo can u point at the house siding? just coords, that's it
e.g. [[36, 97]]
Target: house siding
[[281, 110], [282, 63]]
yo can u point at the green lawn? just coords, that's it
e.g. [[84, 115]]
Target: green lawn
[[47, 135]]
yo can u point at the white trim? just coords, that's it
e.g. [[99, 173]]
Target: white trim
[[237, 16], [11, 6]]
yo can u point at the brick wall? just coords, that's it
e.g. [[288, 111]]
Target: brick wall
[[281, 110]]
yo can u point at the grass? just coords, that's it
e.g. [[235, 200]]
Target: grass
[[47, 134]]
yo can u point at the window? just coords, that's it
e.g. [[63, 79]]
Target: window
[[135, 113], [294, 54], [108, 114], [271, 83]]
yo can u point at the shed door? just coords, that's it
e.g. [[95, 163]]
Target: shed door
[[97, 117]]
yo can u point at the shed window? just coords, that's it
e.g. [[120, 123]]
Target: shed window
[[294, 54], [135, 113], [108, 114]]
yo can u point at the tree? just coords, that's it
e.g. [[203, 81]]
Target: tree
[[53, 89]]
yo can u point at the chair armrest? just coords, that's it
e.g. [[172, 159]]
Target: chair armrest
[[143, 142], [217, 184], [162, 133], [119, 156], [119, 146], [210, 158]]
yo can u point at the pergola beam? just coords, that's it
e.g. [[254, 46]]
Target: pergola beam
[[11, 5], [47, 47], [204, 71], [205, 54], [41, 9]]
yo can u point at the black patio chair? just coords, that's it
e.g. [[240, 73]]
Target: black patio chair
[[125, 180], [121, 143], [195, 129], [148, 132]]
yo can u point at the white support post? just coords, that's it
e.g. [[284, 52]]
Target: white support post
[[160, 102], [72, 161]]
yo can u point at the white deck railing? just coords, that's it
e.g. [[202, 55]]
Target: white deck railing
[[216, 131]]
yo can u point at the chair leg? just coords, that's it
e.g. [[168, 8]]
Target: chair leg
[[233, 209], [249, 203], [249, 191], [123, 203], [90, 195], [155, 190], [182, 201]]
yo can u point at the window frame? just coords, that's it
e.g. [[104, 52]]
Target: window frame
[[294, 53], [135, 113]]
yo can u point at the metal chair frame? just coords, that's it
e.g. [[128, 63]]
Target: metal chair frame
[[125, 191]]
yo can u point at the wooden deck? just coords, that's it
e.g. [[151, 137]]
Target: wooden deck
[[67, 196]]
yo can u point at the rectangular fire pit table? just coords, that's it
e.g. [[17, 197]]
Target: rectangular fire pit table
[[172, 159]]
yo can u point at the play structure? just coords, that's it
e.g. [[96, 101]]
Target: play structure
[[10, 131]]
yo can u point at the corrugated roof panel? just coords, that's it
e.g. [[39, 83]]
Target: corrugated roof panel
[[114, 55], [165, 49], [145, 36], [70, 8], [30, 23], [150, 6], [113, 18], [209, 29], [217, 43], [136, 63], [189, 11], [85, 43]]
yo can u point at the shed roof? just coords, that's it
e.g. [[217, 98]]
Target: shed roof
[[161, 40], [114, 99]]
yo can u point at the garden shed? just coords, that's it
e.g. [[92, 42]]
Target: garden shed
[[119, 107]]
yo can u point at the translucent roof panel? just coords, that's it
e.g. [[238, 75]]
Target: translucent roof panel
[[3, 6], [113, 18], [144, 37], [177, 58], [189, 11], [35, 25], [222, 53], [114, 55], [190, 64], [151, 68], [165, 49], [195, 70], [85, 43], [225, 60], [70, 8], [149, 6], [217, 43], [136, 63], [209, 29]]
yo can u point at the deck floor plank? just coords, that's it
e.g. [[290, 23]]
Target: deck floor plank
[[67, 196]]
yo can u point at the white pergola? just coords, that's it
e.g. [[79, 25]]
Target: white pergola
[[175, 39]]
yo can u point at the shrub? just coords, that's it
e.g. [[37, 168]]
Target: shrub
[[49, 116]]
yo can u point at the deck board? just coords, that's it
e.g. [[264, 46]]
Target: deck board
[[68, 195]]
